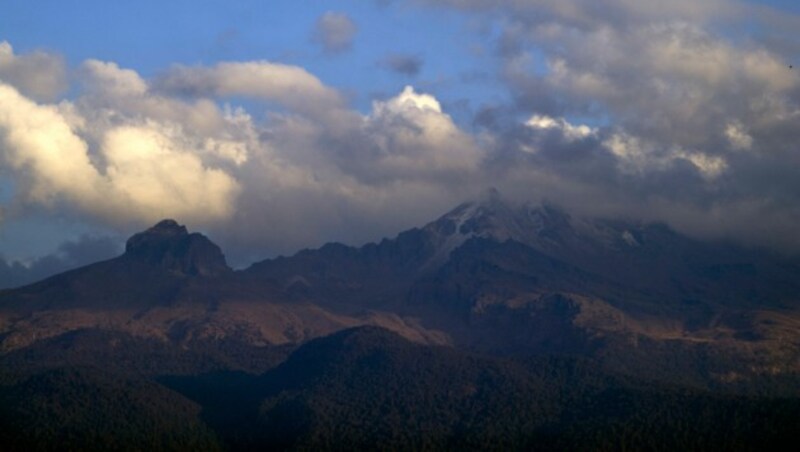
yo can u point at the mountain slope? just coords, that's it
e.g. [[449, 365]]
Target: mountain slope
[[82, 408], [530, 278], [489, 276], [176, 287], [365, 387], [166, 256]]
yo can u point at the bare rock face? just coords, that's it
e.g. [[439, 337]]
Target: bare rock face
[[170, 246]]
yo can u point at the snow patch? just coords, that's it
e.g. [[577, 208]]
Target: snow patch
[[630, 239]]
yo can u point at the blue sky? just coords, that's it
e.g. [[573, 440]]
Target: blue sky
[[150, 36], [278, 125]]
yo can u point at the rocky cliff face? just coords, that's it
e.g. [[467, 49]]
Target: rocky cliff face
[[169, 245]]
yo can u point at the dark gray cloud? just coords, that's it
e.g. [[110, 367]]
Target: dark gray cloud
[[689, 125], [335, 32], [409, 65], [71, 254]]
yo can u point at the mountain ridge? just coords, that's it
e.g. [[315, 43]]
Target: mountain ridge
[[488, 275]]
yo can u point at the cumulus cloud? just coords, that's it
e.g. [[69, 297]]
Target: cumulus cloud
[[154, 175], [335, 32], [127, 151], [408, 65], [414, 136], [39, 143], [614, 108], [138, 171], [39, 75], [358, 176]]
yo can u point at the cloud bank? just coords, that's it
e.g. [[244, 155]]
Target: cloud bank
[[615, 108], [690, 122]]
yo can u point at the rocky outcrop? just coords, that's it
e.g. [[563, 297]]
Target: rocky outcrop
[[170, 246]]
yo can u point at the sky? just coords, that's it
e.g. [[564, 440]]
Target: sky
[[275, 126]]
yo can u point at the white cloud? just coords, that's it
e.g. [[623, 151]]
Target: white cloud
[[138, 173], [571, 132], [39, 75], [637, 156], [113, 96], [127, 151], [39, 142], [111, 80], [710, 166], [633, 156], [738, 137], [290, 86], [150, 168], [413, 136], [678, 97], [408, 101]]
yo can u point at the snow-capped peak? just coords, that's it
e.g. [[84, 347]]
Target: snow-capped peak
[[488, 216]]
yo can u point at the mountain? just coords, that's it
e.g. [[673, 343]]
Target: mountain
[[496, 326], [490, 276], [158, 265], [522, 279], [87, 408], [169, 246], [645, 258], [175, 286], [367, 386]]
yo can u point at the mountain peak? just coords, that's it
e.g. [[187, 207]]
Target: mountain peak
[[168, 227], [489, 196], [163, 231], [487, 216], [170, 246]]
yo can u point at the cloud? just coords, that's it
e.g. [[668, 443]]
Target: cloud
[[738, 137], [409, 65], [70, 254], [126, 151], [357, 177], [155, 174], [414, 136], [686, 120], [139, 170], [613, 108], [40, 144], [289, 86], [39, 75], [570, 132], [335, 32], [588, 15]]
